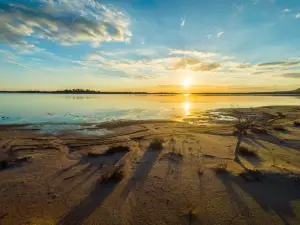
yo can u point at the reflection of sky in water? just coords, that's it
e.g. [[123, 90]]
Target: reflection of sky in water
[[35, 108], [56, 129]]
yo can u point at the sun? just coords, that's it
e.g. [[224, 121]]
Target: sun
[[186, 82]]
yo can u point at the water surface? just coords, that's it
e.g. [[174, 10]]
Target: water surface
[[65, 108]]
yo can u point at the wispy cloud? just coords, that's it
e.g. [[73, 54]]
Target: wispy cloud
[[280, 63], [220, 34], [65, 22], [16, 63], [286, 10], [298, 16], [291, 75]]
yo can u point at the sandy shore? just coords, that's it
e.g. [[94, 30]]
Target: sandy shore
[[71, 178]]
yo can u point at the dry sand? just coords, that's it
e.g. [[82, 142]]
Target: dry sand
[[66, 178]]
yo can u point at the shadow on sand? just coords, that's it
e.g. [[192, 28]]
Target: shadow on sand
[[86, 207], [100, 191], [275, 193], [141, 172]]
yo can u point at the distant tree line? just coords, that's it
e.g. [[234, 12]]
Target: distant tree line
[[88, 91]]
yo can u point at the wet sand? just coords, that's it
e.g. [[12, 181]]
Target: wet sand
[[63, 178]]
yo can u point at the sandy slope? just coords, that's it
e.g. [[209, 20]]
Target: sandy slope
[[61, 184]]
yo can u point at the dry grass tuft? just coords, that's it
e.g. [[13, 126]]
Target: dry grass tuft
[[257, 130], [111, 151], [297, 123], [114, 176], [156, 144], [221, 168], [117, 149]]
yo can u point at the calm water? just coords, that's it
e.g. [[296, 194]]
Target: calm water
[[36, 108]]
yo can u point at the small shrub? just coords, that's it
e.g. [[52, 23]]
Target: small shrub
[[297, 123], [156, 144], [279, 128], [246, 152], [221, 168]]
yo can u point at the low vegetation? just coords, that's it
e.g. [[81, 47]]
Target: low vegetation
[[156, 144]]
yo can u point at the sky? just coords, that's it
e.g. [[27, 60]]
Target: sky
[[150, 45]]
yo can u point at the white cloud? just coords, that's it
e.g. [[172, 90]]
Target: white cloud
[[298, 16], [65, 22], [220, 34], [182, 22], [191, 53], [286, 10]]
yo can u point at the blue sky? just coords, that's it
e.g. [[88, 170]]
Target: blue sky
[[150, 45]]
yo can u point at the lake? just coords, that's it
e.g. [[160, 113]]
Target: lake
[[66, 108]]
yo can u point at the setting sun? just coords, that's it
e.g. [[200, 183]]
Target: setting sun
[[186, 82]]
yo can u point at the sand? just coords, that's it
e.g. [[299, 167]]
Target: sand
[[68, 178]]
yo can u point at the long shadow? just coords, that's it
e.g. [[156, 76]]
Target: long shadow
[[226, 179], [99, 193], [92, 163], [141, 172], [252, 141], [86, 207], [277, 141], [274, 193]]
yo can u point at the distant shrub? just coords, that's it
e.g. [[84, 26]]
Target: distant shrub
[[156, 144], [246, 152]]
